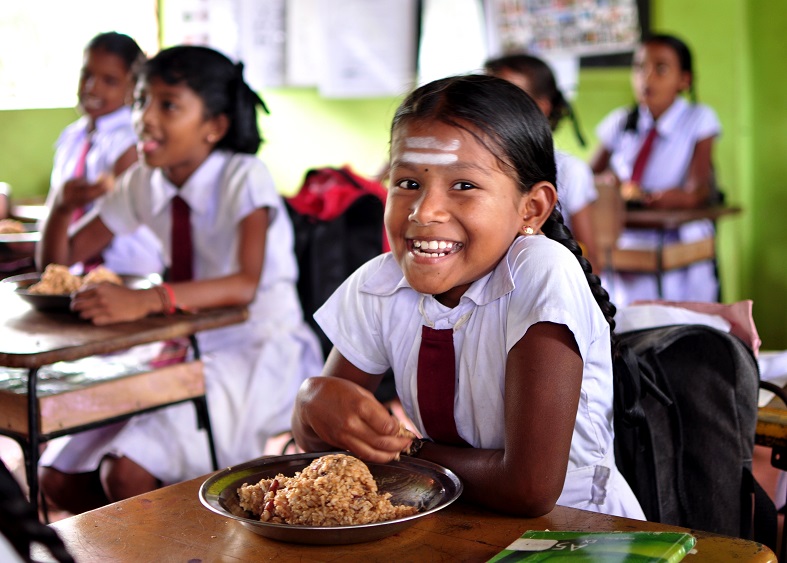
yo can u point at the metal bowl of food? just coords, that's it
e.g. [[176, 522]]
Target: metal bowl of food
[[411, 481], [60, 302]]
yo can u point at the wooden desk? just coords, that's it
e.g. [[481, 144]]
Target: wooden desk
[[664, 257], [32, 339], [170, 524]]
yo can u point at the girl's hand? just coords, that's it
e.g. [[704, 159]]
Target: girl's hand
[[108, 303], [344, 415], [78, 192]]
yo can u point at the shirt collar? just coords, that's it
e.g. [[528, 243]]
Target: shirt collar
[[388, 279], [668, 120], [198, 189], [119, 118]]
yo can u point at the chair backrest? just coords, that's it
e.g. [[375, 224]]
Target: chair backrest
[[685, 421]]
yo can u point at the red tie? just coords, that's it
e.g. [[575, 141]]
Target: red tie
[[642, 157], [437, 385], [181, 250], [79, 172]]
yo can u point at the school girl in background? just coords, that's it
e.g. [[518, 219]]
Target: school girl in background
[[101, 144], [197, 122], [576, 189], [486, 288], [660, 152]]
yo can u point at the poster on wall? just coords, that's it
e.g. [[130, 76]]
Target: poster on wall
[[562, 27]]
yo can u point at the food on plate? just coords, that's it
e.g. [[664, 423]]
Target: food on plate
[[11, 226], [333, 490], [101, 274], [57, 280]]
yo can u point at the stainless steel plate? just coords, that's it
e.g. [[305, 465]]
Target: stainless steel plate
[[44, 302], [410, 481]]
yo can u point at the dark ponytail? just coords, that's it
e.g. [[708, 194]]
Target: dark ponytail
[[220, 85]]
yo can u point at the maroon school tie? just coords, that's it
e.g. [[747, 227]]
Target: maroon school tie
[[642, 157], [181, 250], [79, 172], [437, 385]]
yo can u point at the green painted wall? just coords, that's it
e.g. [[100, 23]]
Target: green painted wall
[[739, 57]]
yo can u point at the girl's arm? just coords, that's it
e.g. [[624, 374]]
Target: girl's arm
[[542, 386], [599, 162], [339, 411], [696, 190], [125, 160], [106, 303]]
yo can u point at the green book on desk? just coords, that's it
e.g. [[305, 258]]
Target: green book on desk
[[587, 547]]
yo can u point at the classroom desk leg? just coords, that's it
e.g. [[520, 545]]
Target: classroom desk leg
[[201, 406], [31, 456], [660, 266], [779, 461]]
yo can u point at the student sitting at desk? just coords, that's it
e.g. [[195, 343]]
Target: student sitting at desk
[[102, 143], [496, 329], [212, 203], [660, 151]]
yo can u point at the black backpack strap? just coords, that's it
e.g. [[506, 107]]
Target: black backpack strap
[[763, 525]]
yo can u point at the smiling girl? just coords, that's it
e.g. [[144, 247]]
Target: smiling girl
[[102, 144], [483, 270], [197, 123]]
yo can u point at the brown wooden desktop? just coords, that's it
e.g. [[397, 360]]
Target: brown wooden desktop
[[32, 339], [170, 524]]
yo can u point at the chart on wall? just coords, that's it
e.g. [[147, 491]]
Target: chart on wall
[[563, 27]]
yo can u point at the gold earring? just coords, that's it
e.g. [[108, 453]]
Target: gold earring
[[528, 230]]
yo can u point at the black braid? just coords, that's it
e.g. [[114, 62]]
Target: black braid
[[555, 229], [19, 522]]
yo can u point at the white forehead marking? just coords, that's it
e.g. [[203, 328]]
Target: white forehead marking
[[429, 157], [431, 143]]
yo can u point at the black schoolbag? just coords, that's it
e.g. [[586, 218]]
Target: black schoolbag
[[685, 422], [337, 217]]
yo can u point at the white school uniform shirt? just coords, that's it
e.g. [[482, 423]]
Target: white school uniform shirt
[[138, 252], [576, 188], [680, 128], [374, 319], [252, 370]]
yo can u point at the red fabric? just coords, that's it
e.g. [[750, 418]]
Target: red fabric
[[181, 250], [642, 157], [437, 385], [326, 194]]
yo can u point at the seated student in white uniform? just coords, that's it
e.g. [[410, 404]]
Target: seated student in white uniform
[[576, 189], [102, 143], [483, 279], [675, 172]]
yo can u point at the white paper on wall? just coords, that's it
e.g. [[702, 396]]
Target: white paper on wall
[[452, 39], [369, 47]]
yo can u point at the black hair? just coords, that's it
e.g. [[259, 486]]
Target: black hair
[[220, 84], [121, 45], [683, 52], [509, 123], [542, 83]]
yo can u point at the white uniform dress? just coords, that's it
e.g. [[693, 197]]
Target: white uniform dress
[[139, 252], [374, 319], [680, 128], [575, 186], [253, 370]]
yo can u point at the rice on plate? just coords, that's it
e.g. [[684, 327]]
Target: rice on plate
[[333, 490]]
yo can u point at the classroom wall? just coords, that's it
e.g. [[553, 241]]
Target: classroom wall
[[738, 59]]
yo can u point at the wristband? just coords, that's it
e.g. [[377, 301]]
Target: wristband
[[167, 297]]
